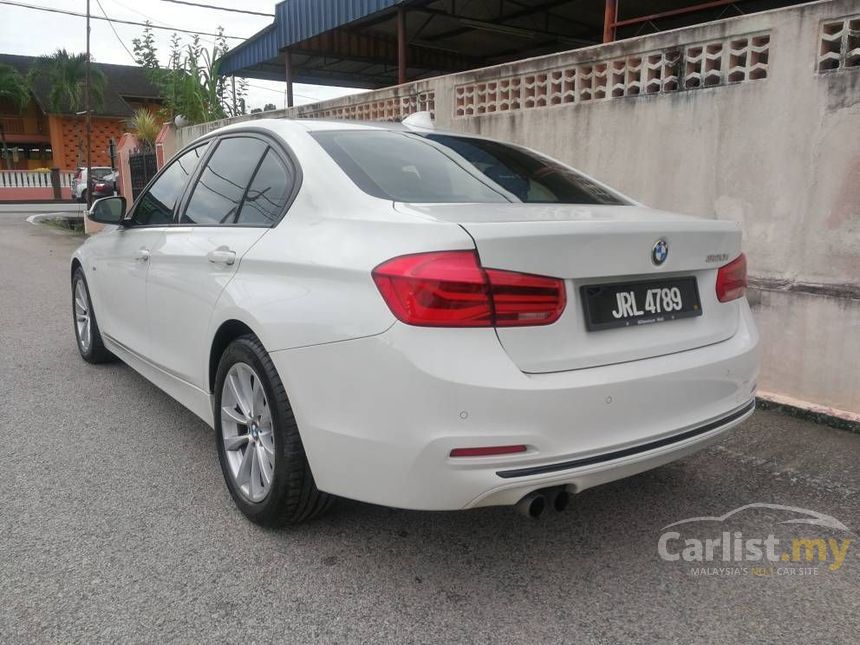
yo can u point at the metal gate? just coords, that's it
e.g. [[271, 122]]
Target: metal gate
[[142, 166]]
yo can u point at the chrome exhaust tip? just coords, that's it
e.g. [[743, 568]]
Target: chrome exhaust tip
[[532, 505]]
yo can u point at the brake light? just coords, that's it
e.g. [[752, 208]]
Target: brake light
[[452, 289], [732, 279], [101, 185]]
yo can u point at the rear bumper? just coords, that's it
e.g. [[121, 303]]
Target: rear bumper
[[379, 416]]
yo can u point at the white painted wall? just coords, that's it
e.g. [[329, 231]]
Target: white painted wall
[[780, 155]]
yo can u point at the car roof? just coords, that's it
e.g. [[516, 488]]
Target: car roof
[[314, 125]]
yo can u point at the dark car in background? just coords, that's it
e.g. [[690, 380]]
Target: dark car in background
[[79, 184], [104, 186]]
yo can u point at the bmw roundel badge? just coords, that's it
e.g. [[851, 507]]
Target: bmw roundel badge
[[660, 252]]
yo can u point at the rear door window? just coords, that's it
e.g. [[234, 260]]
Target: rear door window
[[220, 189], [268, 193]]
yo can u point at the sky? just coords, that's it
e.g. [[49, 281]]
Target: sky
[[33, 33]]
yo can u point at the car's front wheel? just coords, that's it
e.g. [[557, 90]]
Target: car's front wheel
[[259, 447], [87, 332]]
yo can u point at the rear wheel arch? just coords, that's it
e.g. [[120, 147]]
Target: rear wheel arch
[[229, 331]]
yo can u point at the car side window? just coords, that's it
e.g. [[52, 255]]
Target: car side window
[[268, 193], [156, 206], [221, 186]]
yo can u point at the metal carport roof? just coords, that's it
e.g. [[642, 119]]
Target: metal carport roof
[[376, 43], [297, 21]]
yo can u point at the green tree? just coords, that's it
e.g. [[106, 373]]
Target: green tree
[[15, 91], [66, 74], [231, 91], [145, 52], [144, 126], [190, 82]]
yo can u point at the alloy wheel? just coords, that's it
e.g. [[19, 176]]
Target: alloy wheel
[[247, 432], [83, 321]]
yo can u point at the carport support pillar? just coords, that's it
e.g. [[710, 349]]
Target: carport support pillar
[[401, 45], [610, 15], [288, 76]]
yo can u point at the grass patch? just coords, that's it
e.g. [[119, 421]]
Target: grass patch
[[71, 224]]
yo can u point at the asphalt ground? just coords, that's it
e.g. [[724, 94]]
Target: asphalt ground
[[116, 526]]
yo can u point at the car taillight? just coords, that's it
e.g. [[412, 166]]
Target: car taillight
[[101, 185], [732, 279], [452, 289]]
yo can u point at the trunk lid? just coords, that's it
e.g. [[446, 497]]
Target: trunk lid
[[599, 245]]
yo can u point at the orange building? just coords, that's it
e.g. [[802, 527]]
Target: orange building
[[37, 137]]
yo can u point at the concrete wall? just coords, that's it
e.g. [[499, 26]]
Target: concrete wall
[[753, 119]]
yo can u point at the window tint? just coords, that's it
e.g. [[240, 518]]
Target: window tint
[[221, 186], [101, 173], [408, 167], [156, 206], [270, 189], [404, 168]]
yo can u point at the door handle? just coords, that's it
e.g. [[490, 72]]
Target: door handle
[[222, 255], [142, 255]]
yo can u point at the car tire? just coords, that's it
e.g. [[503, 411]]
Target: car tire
[[291, 495], [87, 334]]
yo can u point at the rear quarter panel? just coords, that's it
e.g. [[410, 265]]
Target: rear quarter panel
[[308, 281]]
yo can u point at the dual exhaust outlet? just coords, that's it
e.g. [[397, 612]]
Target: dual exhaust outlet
[[535, 503]]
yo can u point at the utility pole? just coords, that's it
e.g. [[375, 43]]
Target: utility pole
[[89, 117]]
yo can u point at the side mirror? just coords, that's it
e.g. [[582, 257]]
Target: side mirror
[[108, 210]]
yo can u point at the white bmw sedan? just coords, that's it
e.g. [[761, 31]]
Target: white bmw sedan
[[418, 319]]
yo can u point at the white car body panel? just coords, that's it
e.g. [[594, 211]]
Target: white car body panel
[[412, 388], [595, 245], [380, 404], [183, 288], [117, 275]]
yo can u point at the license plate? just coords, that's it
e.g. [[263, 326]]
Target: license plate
[[639, 303]]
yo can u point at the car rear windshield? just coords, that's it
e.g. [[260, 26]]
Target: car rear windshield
[[441, 168], [101, 173]]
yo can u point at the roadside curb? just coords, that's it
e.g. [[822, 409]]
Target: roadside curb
[[41, 207], [833, 417], [41, 217]]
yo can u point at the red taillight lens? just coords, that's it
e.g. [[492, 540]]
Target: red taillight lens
[[521, 299], [451, 289], [486, 451], [446, 289], [101, 186], [732, 279]]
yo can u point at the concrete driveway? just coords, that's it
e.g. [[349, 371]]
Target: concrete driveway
[[115, 525]]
